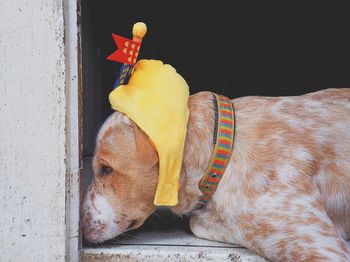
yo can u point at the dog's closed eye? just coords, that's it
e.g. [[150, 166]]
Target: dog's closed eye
[[105, 170]]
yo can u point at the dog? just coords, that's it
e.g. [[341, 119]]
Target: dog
[[285, 193]]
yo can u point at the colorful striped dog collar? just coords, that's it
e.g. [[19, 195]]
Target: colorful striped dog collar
[[224, 132]]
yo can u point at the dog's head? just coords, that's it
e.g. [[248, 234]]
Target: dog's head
[[121, 195], [126, 172]]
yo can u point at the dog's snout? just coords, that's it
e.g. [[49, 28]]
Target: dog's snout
[[93, 232], [98, 218]]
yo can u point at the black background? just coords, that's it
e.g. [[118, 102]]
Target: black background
[[232, 48]]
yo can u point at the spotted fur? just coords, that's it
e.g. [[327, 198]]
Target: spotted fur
[[285, 193]]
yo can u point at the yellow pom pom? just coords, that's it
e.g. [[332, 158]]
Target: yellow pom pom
[[139, 29]]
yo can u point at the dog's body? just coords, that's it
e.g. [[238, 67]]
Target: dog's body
[[285, 193]]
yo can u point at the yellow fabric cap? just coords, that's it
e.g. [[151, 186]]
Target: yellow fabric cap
[[156, 99]]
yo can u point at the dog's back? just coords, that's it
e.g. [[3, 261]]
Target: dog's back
[[311, 131], [333, 174], [286, 189]]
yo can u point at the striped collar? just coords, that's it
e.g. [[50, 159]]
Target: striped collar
[[223, 139]]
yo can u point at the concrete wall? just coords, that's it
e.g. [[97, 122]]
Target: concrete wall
[[38, 135]]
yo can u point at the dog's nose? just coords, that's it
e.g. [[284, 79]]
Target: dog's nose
[[94, 230], [98, 218]]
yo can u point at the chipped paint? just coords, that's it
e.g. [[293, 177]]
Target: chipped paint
[[38, 135], [168, 253], [73, 129]]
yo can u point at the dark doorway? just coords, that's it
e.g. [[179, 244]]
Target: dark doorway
[[232, 48], [228, 47]]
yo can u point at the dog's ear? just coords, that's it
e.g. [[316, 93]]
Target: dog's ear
[[146, 154]]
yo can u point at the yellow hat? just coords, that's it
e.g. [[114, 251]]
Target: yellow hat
[[156, 99]]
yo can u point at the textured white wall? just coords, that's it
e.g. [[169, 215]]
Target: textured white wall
[[33, 110]]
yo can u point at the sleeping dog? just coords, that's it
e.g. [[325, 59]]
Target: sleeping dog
[[285, 193]]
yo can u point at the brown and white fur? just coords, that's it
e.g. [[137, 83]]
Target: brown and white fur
[[285, 193]]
